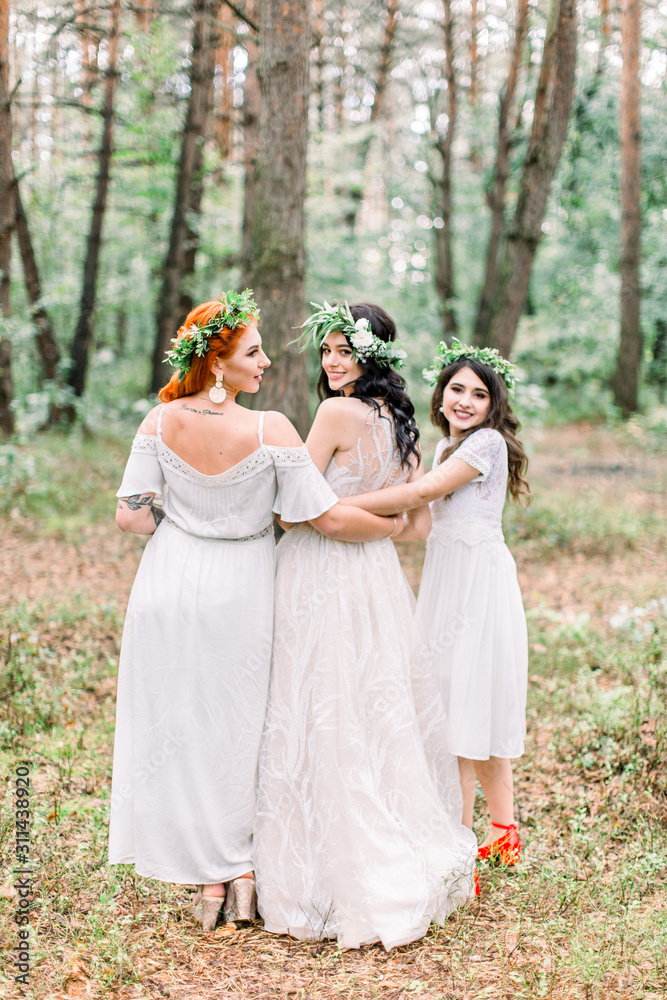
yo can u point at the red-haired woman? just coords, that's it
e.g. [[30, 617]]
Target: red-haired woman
[[196, 649]]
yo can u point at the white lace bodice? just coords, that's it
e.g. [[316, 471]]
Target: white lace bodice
[[237, 503], [473, 514], [373, 464]]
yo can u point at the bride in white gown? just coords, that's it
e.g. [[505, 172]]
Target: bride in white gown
[[358, 830]]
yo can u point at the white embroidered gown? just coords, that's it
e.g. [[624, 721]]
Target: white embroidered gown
[[470, 608], [358, 832], [195, 658]]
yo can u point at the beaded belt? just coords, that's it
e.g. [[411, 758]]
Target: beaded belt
[[213, 538]]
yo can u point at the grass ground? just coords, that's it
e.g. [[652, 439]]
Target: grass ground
[[585, 914]]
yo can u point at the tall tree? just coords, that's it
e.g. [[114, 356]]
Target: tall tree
[[553, 101], [495, 194], [473, 53], [320, 31], [382, 77], [224, 90], [275, 262], [251, 107], [444, 275], [202, 70], [83, 334], [391, 20], [626, 381], [6, 222], [47, 348]]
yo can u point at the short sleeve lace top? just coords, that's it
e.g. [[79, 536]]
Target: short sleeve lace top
[[473, 513], [237, 503]]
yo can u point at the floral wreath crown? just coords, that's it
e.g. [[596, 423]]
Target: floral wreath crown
[[236, 309], [458, 351], [337, 318]]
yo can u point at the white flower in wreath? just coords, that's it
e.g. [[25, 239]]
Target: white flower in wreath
[[362, 336]]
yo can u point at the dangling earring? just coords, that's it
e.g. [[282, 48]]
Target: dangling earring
[[217, 393]]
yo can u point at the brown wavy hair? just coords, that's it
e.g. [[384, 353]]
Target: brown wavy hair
[[220, 345], [500, 418]]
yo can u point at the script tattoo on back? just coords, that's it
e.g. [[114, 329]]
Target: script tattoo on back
[[206, 413]]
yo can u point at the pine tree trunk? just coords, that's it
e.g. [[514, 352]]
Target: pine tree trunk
[[223, 96], [605, 25], [473, 53], [377, 111], [144, 14], [201, 79], [339, 80], [191, 241], [6, 222], [85, 19], [251, 107], [321, 29], [276, 257], [553, 102], [444, 277], [390, 24], [628, 365], [47, 348], [83, 334], [495, 194]]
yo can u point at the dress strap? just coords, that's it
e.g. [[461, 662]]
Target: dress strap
[[260, 429], [159, 421]]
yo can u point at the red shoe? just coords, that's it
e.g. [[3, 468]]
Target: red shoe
[[504, 851], [476, 877]]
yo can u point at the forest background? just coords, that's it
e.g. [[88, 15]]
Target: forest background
[[152, 167], [482, 169]]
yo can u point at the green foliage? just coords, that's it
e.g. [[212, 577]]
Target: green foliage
[[50, 668], [59, 484], [373, 210], [590, 524]]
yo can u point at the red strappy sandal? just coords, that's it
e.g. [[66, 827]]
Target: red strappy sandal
[[504, 851]]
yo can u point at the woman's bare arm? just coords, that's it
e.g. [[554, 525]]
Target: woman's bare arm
[[138, 514], [416, 522], [364, 527], [442, 481]]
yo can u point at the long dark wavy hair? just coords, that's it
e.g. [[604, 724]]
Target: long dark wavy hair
[[382, 383], [499, 417]]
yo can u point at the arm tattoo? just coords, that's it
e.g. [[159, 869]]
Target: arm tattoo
[[206, 413], [135, 502], [157, 513]]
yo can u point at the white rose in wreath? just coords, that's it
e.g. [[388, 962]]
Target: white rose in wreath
[[362, 336]]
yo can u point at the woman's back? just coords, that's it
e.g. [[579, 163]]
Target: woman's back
[[372, 461]]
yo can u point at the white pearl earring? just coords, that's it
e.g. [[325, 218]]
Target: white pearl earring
[[217, 393]]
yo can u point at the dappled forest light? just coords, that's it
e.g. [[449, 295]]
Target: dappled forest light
[[449, 142]]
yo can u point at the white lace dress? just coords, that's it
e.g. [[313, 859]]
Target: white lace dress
[[470, 608], [358, 832], [195, 658]]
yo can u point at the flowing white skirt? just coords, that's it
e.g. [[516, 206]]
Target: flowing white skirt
[[471, 612], [192, 687], [358, 832]]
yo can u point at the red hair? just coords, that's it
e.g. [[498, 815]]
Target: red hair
[[220, 345]]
